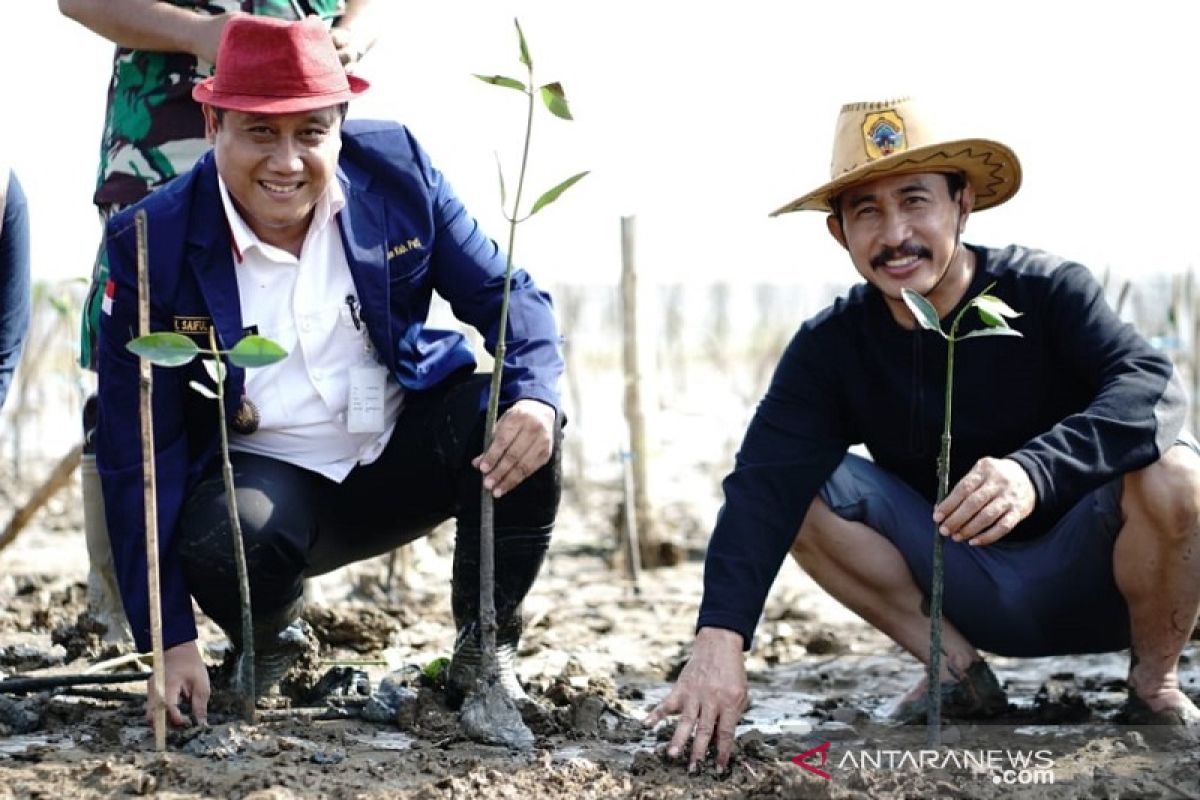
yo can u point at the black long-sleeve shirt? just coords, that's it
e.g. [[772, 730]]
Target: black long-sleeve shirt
[[1079, 399]]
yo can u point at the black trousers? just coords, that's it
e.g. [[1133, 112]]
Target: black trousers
[[297, 524]]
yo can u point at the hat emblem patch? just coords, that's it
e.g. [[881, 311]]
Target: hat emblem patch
[[883, 134]]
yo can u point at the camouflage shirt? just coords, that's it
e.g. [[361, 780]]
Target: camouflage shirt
[[153, 130]]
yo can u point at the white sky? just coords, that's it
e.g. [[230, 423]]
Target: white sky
[[700, 117]]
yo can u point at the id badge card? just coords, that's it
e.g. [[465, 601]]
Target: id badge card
[[365, 411]]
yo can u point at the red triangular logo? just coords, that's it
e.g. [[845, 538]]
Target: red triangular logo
[[802, 759]]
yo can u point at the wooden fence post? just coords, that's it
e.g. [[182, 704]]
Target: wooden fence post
[[635, 412]]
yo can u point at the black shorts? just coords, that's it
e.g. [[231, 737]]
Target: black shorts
[[1052, 595]]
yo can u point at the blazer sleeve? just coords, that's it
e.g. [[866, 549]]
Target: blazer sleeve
[[468, 270], [119, 451]]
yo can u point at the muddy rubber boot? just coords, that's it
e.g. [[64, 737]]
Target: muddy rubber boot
[[281, 641], [519, 556], [465, 664], [103, 594]]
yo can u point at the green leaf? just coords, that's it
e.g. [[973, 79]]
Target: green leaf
[[990, 319], [525, 59], [994, 306], [215, 369], [1005, 331], [924, 312], [434, 669], [164, 349], [256, 351], [556, 100], [500, 80], [550, 196], [503, 191], [203, 390]]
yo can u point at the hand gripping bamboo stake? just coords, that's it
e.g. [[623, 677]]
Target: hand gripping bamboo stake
[[150, 492]]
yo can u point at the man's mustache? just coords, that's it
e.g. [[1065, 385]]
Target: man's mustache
[[906, 249]]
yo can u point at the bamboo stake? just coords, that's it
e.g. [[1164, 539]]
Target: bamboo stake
[[633, 549], [635, 415], [150, 492]]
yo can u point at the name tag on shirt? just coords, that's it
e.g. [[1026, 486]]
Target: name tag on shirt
[[364, 413]]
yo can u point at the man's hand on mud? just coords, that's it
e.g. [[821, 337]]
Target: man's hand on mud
[[185, 677], [987, 503], [523, 443], [709, 697]]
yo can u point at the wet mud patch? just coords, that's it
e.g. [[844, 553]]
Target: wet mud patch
[[595, 659]]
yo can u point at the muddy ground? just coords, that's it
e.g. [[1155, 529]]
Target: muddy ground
[[596, 658]]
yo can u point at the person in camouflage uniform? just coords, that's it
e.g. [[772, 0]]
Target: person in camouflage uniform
[[153, 131]]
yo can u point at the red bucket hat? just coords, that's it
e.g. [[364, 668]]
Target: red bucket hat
[[271, 66]]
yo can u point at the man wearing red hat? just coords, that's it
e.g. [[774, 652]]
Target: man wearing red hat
[[328, 237], [153, 131], [1073, 521]]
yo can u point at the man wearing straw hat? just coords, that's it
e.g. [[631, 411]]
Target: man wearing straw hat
[[1073, 522], [329, 237]]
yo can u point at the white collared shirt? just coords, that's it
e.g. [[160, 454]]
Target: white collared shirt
[[304, 304]]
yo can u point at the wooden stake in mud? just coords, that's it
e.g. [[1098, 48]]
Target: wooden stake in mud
[[633, 550], [635, 412], [150, 493]]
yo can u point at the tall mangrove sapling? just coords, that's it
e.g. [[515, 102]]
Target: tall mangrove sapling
[[489, 714]]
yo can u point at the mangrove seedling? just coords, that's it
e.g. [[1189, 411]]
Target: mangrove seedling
[[489, 715], [994, 313], [176, 350]]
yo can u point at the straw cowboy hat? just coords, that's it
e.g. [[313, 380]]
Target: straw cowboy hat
[[892, 137], [271, 66]]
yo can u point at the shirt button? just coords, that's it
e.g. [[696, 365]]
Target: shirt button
[[316, 374]]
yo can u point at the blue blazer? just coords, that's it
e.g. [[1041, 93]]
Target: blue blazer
[[405, 235]]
